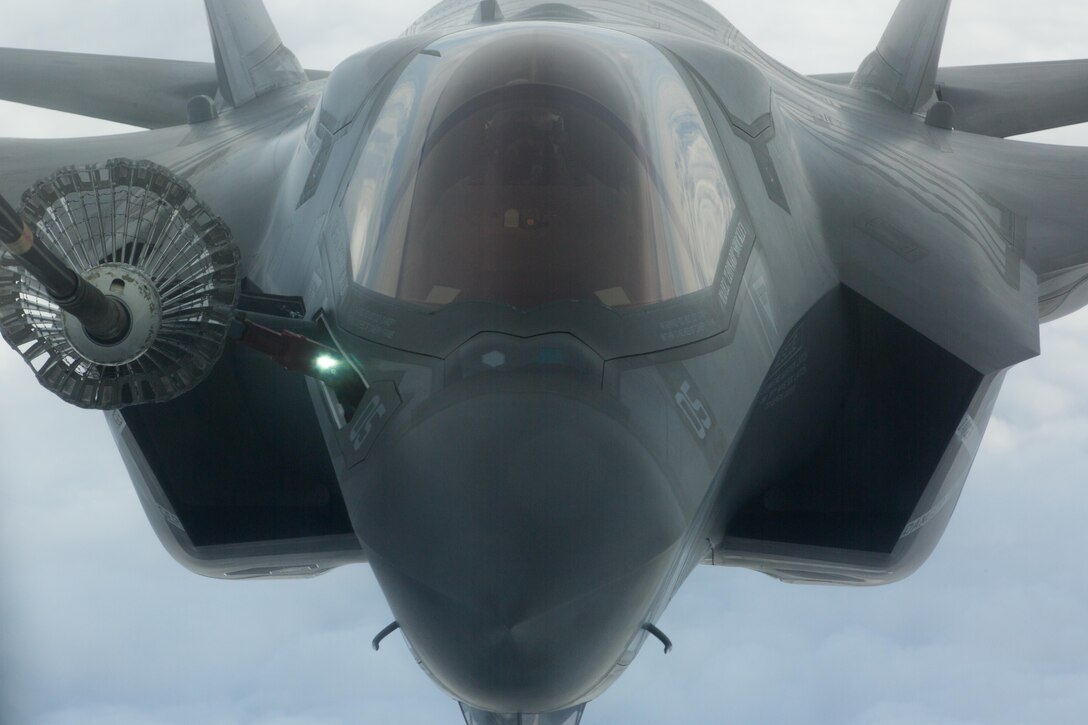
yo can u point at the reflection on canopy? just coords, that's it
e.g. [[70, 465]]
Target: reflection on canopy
[[545, 163]]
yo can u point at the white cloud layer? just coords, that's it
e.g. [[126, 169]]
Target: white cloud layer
[[99, 626]]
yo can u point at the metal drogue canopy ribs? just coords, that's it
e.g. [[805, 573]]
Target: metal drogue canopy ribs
[[117, 286], [104, 317]]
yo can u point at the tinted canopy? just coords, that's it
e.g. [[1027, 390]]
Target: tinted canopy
[[538, 163]]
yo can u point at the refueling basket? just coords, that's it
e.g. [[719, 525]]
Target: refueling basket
[[138, 233]]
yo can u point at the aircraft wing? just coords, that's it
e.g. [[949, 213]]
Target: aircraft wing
[[1009, 100], [144, 92], [26, 161], [137, 91], [1012, 99]]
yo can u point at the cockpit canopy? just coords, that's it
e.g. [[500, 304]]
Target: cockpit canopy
[[546, 163]]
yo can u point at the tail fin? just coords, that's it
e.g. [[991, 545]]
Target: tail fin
[[903, 68], [250, 58]]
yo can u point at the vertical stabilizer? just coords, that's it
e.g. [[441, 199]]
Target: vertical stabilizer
[[903, 68], [249, 55]]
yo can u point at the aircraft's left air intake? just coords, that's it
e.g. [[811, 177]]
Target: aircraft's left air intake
[[117, 286]]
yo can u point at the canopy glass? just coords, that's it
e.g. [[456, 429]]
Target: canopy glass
[[551, 163]]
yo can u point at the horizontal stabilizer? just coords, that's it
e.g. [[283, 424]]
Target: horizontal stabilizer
[[903, 68], [138, 91], [250, 58], [144, 92], [1009, 100]]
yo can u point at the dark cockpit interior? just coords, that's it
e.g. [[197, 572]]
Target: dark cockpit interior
[[538, 168], [530, 194]]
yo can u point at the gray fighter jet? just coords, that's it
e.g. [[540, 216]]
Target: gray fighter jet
[[540, 306]]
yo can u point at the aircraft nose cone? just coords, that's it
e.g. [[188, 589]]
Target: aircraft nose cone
[[520, 539]]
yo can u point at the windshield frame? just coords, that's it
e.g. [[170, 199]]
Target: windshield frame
[[611, 331]]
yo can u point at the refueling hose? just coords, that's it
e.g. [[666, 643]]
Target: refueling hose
[[104, 318]]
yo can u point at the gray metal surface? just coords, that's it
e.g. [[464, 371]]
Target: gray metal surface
[[250, 59], [145, 92], [138, 91], [903, 68], [1009, 99], [530, 482]]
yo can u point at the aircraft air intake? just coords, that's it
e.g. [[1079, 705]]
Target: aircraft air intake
[[117, 286]]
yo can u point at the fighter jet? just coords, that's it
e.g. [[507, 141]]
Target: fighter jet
[[540, 306]]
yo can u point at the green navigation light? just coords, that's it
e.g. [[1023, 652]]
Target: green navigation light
[[326, 363]]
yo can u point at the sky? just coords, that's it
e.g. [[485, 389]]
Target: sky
[[99, 625]]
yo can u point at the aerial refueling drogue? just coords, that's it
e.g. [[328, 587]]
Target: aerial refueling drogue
[[104, 317], [131, 298], [117, 285]]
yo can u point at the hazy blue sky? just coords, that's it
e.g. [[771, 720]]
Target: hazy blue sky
[[99, 626]]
